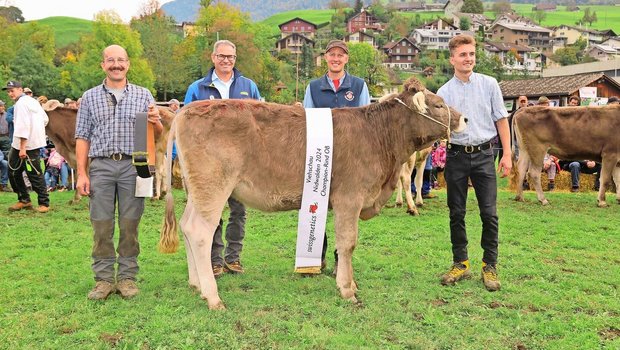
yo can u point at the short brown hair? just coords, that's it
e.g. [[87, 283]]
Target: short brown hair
[[574, 98], [459, 40]]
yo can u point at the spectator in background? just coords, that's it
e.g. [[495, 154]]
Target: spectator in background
[[574, 101], [174, 105], [427, 183], [551, 166], [52, 171], [614, 100], [5, 141], [28, 92], [438, 160], [543, 101]]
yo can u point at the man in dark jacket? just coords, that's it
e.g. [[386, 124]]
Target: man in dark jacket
[[224, 81]]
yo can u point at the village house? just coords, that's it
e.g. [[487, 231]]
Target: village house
[[610, 68], [477, 21], [521, 34], [544, 7], [568, 35], [400, 54], [451, 7], [296, 33], [438, 24], [361, 37], [516, 58], [603, 52], [362, 21], [431, 39]]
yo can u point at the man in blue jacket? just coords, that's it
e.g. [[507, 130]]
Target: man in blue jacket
[[336, 89], [224, 81]]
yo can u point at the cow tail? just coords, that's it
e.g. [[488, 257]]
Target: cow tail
[[514, 174], [169, 238]]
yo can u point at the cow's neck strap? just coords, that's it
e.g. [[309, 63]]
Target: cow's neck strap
[[427, 116]]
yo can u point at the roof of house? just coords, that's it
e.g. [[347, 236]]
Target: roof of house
[[545, 7], [396, 42], [301, 19], [552, 86], [501, 46], [605, 48], [523, 27]]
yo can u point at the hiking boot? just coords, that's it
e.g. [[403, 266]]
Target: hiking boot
[[127, 288], [574, 189], [43, 209], [101, 291], [5, 188], [61, 189], [429, 196], [458, 271], [489, 277], [20, 205], [218, 270], [233, 267], [551, 186]]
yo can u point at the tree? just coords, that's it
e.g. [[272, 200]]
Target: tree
[[465, 23], [539, 16], [367, 63], [12, 14], [500, 7], [398, 27], [589, 16], [34, 70], [359, 5], [472, 6], [337, 5]]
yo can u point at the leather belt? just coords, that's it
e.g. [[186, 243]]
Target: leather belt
[[119, 156], [470, 149]]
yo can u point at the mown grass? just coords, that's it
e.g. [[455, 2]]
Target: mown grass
[[559, 266], [67, 30]]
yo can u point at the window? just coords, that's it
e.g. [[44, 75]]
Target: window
[[409, 50], [398, 58]]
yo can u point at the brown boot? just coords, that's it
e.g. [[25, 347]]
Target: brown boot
[[127, 288], [43, 209], [233, 267], [101, 291], [20, 205]]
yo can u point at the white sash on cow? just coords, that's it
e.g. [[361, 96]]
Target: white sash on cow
[[315, 200]]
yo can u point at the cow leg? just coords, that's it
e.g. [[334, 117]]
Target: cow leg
[[607, 167], [617, 181], [534, 173], [419, 179], [194, 282], [405, 177], [399, 193], [76, 197], [522, 165], [198, 233], [345, 221]]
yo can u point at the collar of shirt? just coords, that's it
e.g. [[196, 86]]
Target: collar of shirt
[[222, 86]]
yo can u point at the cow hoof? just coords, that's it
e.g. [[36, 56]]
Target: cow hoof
[[421, 204], [414, 212], [217, 306], [194, 286], [390, 205], [399, 205], [544, 202], [354, 286], [618, 200], [602, 204], [519, 199]]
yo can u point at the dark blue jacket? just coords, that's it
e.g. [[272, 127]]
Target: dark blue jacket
[[203, 89], [348, 93]]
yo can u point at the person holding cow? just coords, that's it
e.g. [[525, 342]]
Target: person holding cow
[[25, 155], [104, 134], [224, 81], [336, 89], [470, 156]]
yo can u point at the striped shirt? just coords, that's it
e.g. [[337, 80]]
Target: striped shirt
[[480, 100], [109, 124]]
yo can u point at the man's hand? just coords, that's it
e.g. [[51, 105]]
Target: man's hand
[[505, 165], [22, 153], [155, 119], [590, 164], [83, 185]]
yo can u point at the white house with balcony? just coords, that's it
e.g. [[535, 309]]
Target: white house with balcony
[[431, 39]]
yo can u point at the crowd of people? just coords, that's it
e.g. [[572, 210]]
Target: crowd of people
[[105, 140]]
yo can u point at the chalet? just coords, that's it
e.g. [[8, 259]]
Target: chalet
[[429, 39], [521, 34], [603, 52], [613, 42], [361, 37], [400, 54], [438, 24], [408, 5], [558, 88], [294, 42], [477, 21], [515, 58], [570, 34], [363, 21], [299, 26], [451, 7]]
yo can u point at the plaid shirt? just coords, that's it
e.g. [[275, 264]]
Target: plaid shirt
[[107, 123]]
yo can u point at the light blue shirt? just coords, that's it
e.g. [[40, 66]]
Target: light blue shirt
[[364, 98], [480, 100], [222, 86]]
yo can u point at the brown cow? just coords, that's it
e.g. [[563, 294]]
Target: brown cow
[[61, 130], [255, 152], [416, 161], [568, 133]]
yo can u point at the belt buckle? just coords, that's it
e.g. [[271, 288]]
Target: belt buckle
[[469, 149], [117, 157]]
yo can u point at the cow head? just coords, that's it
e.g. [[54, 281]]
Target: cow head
[[432, 106]]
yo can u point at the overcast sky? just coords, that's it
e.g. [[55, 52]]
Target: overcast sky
[[86, 9]]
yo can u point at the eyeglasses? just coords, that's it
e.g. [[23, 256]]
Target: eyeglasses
[[230, 58], [120, 60]]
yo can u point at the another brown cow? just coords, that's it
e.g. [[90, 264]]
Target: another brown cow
[[61, 130], [416, 161], [568, 133], [255, 152]]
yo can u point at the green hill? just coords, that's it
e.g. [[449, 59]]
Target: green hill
[[318, 17], [67, 30]]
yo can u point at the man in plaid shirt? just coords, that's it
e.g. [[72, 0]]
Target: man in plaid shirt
[[104, 134]]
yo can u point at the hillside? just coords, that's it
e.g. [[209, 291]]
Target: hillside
[[67, 30], [187, 10]]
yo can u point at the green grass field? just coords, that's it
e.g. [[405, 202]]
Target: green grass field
[[67, 30], [559, 266]]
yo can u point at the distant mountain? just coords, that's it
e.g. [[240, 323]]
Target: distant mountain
[[187, 10]]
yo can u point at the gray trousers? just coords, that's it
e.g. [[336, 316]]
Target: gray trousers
[[235, 231], [113, 183]]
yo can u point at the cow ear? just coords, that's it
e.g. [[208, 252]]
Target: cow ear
[[419, 102], [51, 105], [388, 97], [414, 85]]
